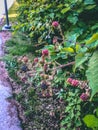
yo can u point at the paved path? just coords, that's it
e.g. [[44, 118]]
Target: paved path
[[8, 111], [2, 8]]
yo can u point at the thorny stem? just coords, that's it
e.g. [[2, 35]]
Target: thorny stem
[[57, 63], [62, 66], [61, 33]]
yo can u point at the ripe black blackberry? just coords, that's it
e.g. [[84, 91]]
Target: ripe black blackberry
[[44, 86], [24, 68]]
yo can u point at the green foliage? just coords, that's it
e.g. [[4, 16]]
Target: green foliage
[[80, 59], [91, 121], [66, 12], [72, 110], [93, 39], [11, 66], [77, 40], [19, 45]]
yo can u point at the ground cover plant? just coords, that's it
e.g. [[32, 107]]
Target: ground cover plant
[[55, 61]]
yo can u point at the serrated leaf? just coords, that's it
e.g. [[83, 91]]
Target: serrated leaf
[[63, 11], [91, 121], [80, 59], [92, 73], [92, 39]]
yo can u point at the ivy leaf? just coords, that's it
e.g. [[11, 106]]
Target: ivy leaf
[[80, 59], [92, 39], [91, 121], [92, 73]]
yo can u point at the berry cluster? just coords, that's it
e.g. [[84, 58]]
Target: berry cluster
[[29, 70], [73, 82], [82, 85]]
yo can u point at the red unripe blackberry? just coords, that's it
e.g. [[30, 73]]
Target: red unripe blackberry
[[45, 52], [84, 97], [75, 83], [55, 40], [25, 59], [69, 80], [35, 60], [55, 24]]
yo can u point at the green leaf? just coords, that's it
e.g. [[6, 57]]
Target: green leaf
[[93, 45], [68, 49], [72, 19], [92, 39], [70, 39], [64, 121], [92, 73], [60, 6], [50, 48], [90, 7], [72, 114], [91, 121], [95, 26], [62, 128], [68, 109], [86, 2], [80, 59], [63, 11], [78, 47], [78, 123], [51, 15], [97, 112]]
